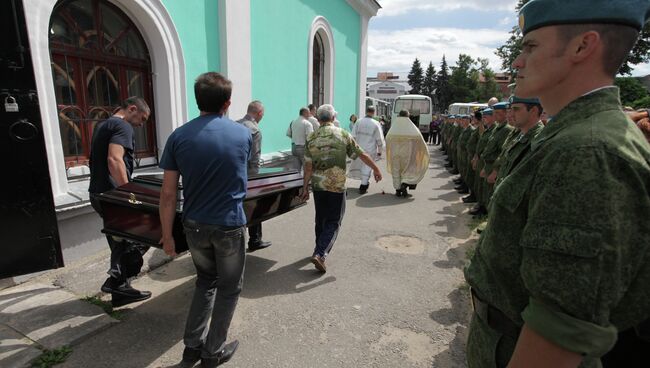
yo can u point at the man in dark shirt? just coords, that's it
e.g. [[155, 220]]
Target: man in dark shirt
[[211, 153], [111, 165], [254, 115]]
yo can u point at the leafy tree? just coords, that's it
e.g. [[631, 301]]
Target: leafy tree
[[642, 103], [416, 77], [631, 90], [488, 88], [464, 79], [429, 84], [443, 90], [509, 51]]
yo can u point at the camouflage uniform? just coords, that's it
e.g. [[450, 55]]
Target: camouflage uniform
[[461, 150], [566, 249], [515, 149], [472, 142], [489, 157], [482, 143]]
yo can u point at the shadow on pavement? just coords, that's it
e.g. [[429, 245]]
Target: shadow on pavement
[[458, 314], [384, 200], [260, 281]]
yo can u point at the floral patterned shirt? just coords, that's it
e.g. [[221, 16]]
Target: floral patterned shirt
[[327, 149]]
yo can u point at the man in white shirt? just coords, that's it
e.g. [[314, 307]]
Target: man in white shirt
[[312, 116], [298, 131], [368, 134]]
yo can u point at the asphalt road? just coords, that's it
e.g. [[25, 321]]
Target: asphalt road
[[393, 295]]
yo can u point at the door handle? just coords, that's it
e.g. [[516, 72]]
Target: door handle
[[23, 131]]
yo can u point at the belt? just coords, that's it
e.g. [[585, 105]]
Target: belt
[[494, 317]]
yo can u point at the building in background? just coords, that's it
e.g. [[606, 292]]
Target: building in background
[[88, 55], [387, 87]]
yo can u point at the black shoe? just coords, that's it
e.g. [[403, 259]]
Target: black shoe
[[398, 193], [477, 210], [258, 246], [123, 289], [464, 190], [363, 189], [454, 172], [458, 181], [447, 166], [190, 357], [223, 356], [460, 187], [469, 199], [120, 300], [412, 186]]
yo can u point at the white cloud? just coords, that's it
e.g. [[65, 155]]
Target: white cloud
[[399, 7], [395, 50]]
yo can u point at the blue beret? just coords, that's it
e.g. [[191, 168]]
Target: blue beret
[[487, 111], [527, 101], [500, 106], [452, 116], [541, 13]]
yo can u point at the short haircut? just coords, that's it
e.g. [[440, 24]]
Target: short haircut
[[255, 107], [139, 102], [212, 90], [617, 40], [478, 115], [530, 107], [311, 107], [370, 110], [325, 113], [303, 110], [404, 113]]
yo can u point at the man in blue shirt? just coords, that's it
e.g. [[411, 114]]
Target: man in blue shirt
[[211, 153]]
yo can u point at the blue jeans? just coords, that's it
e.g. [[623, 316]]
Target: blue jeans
[[330, 208], [219, 255]]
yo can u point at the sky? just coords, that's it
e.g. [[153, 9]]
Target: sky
[[427, 29]]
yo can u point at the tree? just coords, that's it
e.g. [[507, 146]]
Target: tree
[[463, 82], [443, 91], [509, 51], [429, 84], [631, 90], [416, 77], [488, 88]]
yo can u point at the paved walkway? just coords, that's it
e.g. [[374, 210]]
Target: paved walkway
[[393, 295]]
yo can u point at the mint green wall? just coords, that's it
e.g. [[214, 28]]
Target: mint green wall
[[279, 51], [197, 24]]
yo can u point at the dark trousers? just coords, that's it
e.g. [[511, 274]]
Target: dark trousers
[[435, 137], [330, 208], [255, 235], [126, 256], [219, 256]]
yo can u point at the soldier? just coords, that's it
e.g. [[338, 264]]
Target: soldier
[[461, 153], [526, 113], [488, 119], [472, 142], [493, 149], [563, 266]]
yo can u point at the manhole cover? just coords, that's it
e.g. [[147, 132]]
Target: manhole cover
[[401, 244]]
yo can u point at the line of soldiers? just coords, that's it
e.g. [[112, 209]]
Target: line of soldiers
[[483, 148]]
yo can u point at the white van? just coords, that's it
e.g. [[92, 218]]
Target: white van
[[418, 106], [465, 108]]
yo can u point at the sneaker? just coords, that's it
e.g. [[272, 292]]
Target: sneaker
[[319, 263], [222, 357]]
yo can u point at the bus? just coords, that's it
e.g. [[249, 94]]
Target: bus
[[419, 107], [465, 108], [382, 108]]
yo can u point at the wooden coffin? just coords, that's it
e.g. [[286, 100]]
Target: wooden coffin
[[131, 211]]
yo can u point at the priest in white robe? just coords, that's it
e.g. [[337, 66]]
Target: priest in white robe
[[406, 153], [368, 134]]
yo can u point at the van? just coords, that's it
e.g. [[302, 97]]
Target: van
[[465, 108], [419, 108]]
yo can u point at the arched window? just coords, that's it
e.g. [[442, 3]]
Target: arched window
[[99, 58], [321, 63], [318, 94]]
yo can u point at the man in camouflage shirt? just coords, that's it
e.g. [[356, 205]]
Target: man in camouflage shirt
[[325, 167], [563, 266]]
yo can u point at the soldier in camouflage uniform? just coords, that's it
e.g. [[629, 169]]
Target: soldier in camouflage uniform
[[461, 154], [492, 150], [470, 174], [563, 266], [526, 113], [488, 119]]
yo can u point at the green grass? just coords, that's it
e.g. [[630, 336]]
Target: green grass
[[474, 222], [105, 306], [50, 358]]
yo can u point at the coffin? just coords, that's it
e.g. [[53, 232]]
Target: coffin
[[131, 211]]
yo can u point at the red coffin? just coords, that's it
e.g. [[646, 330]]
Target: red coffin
[[131, 211]]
